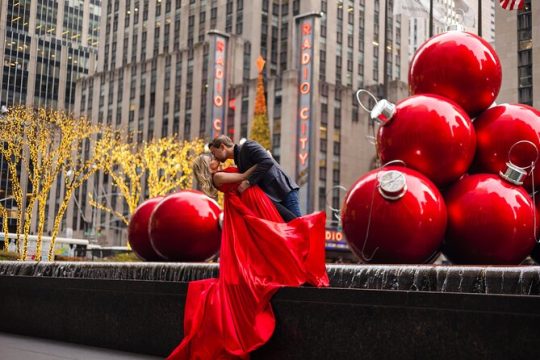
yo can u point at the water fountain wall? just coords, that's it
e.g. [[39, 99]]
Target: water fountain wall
[[370, 312]]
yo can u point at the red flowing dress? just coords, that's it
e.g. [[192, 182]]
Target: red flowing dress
[[228, 317]]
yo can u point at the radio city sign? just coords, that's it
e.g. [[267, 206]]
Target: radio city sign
[[217, 82], [305, 81], [334, 239]]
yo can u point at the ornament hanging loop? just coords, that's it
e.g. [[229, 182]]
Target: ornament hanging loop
[[394, 162], [513, 173], [524, 142], [364, 91], [369, 124], [335, 212]]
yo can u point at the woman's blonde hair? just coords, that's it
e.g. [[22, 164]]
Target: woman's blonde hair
[[201, 170]]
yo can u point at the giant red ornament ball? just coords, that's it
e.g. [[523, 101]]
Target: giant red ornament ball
[[460, 66], [490, 221], [535, 254], [402, 213], [138, 236], [498, 129], [430, 134], [184, 227]]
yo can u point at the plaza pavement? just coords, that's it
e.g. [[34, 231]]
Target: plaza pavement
[[17, 347]]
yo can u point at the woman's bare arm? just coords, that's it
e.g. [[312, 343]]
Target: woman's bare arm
[[222, 177]]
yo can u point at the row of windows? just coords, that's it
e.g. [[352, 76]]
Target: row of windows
[[361, 41], [47, 64], [525, 61], [46, 20], [165, 35]]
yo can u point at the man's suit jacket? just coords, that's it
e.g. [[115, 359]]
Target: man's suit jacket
[[268, 175]]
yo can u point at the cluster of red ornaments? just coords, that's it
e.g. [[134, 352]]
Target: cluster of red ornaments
[[461, 185], [183, 226]]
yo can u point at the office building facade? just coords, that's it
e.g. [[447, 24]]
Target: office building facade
[[160, 62], [518, 46]]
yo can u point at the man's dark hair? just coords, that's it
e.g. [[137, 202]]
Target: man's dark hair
[[221, 139]]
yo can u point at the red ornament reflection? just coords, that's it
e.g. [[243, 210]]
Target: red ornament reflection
[[138, 236], [406, 230], [184, 227], [498, 129], [460, 66], [490, 221], [431, 135]]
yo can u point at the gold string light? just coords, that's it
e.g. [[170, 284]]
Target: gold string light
[[39, 145], [163, 164]]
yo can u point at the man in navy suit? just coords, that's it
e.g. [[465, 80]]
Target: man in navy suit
[[268, 175]]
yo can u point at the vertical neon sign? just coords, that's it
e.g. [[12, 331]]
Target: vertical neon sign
[[217, 83], [305, 80]]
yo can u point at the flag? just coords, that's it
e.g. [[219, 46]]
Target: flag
[[512, 4]]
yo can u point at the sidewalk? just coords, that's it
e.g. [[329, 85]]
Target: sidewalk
[[17, 347]]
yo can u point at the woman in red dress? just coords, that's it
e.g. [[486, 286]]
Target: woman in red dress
[[228, 317]]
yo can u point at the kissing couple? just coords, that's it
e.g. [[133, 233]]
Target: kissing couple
[[265, 245]]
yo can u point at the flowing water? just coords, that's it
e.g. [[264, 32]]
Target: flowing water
[[519, 280]]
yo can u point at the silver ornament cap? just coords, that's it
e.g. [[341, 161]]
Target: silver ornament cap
[[392, 185], [513, 174], [383, 111]]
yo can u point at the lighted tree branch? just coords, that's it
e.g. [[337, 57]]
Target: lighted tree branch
[[79, 169], [5, 229], [166, 162], [43, 144], [12, 137]]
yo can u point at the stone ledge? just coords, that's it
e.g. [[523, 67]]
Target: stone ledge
[[147, 317]]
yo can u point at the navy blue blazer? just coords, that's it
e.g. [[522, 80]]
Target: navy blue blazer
[[268, 175]]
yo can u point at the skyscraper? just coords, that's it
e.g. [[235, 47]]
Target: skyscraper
[[518, 45], [162, 71], [45, 46]]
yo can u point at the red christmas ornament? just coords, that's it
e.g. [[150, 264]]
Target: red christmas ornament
[[535, 254], [184, 227], [490, 221], [138, 236], [429, 133], [501, 127], [460, 66], [394, 215]]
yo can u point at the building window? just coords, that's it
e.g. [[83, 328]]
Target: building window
[[322, 173], [323, 145], [324, 114], [337, 118], [337, 148], [525, 71], [322, 198]]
